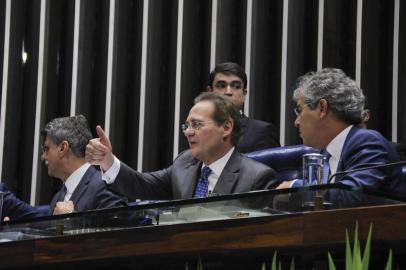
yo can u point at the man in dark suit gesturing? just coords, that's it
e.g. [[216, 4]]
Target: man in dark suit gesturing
[[329, 107], [211, 165], [64, 154], [230, 79]]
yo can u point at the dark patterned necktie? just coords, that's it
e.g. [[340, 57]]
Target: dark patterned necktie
[[326, 167], [203, 183], [62, 194]]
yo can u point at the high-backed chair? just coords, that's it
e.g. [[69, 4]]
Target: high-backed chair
[[285, 160]]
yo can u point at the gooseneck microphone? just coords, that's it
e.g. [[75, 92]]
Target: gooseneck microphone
[[368, 166]]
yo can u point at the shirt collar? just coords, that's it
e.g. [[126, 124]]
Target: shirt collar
[[335, 147], [218, 165], [73, 180]]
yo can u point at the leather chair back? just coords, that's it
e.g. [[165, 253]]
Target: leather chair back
[[286, 160]]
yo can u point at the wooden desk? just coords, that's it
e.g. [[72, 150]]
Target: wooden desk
[[292, 234]]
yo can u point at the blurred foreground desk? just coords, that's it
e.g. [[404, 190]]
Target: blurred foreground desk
[[227, 232]]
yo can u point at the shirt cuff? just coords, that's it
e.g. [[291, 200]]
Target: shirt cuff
[[296, 183], [110, 175]]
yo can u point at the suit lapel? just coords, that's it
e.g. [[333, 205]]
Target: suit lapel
[[82, 186], [192, 172], [340, 166], [229, 176]]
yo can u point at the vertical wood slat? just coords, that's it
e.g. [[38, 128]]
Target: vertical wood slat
[[110, 63], [395, 72], [4, 82], [38, 110], [75, 62], [284, 70], [179, 46], [143, 83], [248, 46]]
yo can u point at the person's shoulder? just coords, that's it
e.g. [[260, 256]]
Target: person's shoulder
[[251, 163], [258, 123], [367, 134], [185, 157]]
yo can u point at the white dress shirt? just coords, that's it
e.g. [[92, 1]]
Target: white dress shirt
[[217, 168], [73, 180], [335, 147]]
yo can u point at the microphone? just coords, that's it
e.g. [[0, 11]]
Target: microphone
[[368, 166]]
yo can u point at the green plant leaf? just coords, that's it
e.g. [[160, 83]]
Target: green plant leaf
[[274, 267], [292, 264], [348, 252], [199, 264], [356, 257], [367, 250], [389, 262], [331, 265]]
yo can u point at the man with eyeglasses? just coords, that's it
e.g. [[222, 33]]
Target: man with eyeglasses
[[329, 109], [63, 152], [212, 165], [229, 79]]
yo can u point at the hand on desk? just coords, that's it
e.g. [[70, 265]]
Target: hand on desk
[[284, 184], [63, 208]]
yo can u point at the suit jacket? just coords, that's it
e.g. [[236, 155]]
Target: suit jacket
[[256, 135], [14, 208], [241, 174], [364, 147], [91, 193]]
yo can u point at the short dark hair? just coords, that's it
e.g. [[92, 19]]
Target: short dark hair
[[228, 68], [73, 129], [224, 109]]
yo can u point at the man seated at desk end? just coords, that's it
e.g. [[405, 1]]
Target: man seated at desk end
[[329, 107], [211, 165]]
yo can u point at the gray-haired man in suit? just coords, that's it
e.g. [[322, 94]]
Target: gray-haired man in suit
[[211, 165]]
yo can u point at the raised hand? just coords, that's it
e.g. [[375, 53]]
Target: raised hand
[[99, 150]]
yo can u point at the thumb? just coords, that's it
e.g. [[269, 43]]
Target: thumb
[[102, 136]]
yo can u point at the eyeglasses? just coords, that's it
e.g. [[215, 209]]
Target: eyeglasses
[[297, 110], [237, 85], [193, 125], [44, 148]]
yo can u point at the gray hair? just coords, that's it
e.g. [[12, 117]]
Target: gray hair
[[346, 100], [73, 129]]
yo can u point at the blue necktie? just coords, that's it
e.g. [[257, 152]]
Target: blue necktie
[[203, 183], [62, 193], [326, 166]]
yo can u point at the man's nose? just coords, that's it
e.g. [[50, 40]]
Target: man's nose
[[297, 122], [189, 132], [228, 91]]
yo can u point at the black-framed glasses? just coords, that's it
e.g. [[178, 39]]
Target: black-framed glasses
[[193, 125], [237, 85]]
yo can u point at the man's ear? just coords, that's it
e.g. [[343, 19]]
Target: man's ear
[[228, 126], [323, 107], [209, 89], [63, 148]]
